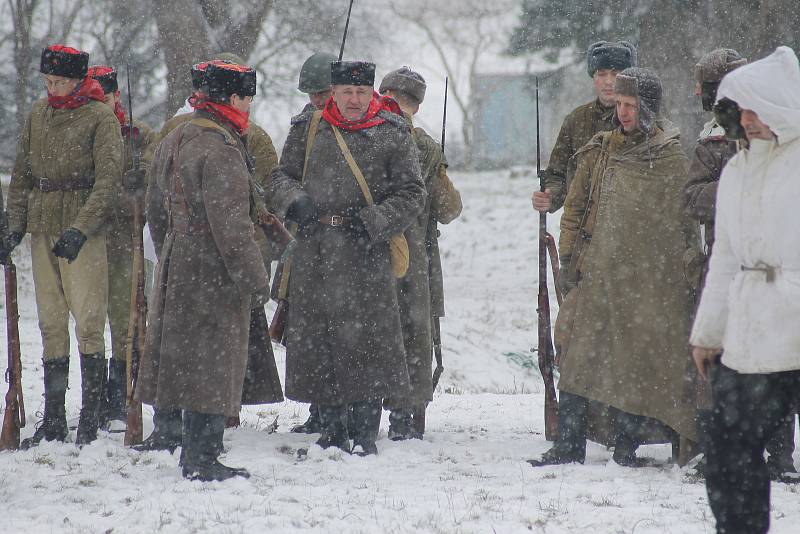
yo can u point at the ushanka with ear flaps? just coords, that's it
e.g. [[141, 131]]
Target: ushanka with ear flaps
[[645, 86], [614, 56]]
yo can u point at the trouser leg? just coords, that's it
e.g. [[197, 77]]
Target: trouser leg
[[51, 303], [747, 411], [119, 251]]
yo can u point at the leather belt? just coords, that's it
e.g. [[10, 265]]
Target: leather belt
[[46, 185], [335, 220]]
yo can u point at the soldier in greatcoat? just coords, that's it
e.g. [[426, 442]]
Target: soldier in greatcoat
[[420, 292], [623, 236], [344, 341], [63, 190], [209, 270], [262, 381]]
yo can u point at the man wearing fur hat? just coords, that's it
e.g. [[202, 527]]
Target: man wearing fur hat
[[209, 271], [119, 247], [262, 381], [623, 237], [604, 60], [745, 338], [352, 195], [420, 293], [711, 154], [63, 190]]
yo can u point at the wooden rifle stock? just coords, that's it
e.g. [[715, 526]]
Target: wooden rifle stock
[[14, 416], [275, 231], [277, 327], [136, 331], [546, 351]]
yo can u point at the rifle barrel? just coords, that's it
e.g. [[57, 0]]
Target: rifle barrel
[[444, 112], [346, 26]]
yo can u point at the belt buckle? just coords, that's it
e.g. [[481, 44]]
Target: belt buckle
[[337, 220], [44, 184]]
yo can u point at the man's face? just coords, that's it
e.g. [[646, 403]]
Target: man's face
[[604, 85], [754, 128], [111, 99], [628, 112], [241, 103], [352, 100], [318, 99], [60, 86]]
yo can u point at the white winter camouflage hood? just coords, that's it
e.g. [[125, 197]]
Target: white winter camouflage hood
[[771, 88]]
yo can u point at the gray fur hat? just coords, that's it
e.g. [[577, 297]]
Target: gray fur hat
[[407, 81], [645, 86], [615, 56], [716, 64]]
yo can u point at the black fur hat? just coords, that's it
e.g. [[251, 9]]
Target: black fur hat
[[615, 56], [105, 76], [226, 79], [60, 60], [352, 73]]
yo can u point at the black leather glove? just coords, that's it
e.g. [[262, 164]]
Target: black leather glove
[[304, 212], [133, 179], [8, 243], [69, 244], [356, 227]]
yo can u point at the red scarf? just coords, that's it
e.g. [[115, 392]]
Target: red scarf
[[88, 89], [332, 115], [225, 112], [119, 111]]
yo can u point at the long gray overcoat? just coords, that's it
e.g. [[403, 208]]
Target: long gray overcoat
[[344, 342], [209, 265]]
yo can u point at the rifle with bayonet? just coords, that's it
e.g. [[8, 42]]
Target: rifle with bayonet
[[546, 351], [134, 344], [14, 415]]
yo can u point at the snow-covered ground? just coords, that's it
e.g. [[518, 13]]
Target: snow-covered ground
[[468, 475]]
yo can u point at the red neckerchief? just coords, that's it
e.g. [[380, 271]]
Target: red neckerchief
[[88, 89], [119, 112], [332, 115], [225, 112]]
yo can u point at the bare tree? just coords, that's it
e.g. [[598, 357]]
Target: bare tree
[[461, 33]]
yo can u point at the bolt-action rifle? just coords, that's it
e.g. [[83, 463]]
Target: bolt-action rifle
[[14, 416], [546, 350], [138, 310]]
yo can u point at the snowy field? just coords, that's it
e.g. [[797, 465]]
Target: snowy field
[[468, 475]]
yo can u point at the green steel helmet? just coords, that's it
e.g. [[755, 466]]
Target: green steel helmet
[[315, 74]]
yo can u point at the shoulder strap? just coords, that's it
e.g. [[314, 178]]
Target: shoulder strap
[[362, 183], [208, 123], [597, 177], [313, 126]]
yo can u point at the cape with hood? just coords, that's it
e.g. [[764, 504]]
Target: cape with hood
[[628, 344], [748, 313]]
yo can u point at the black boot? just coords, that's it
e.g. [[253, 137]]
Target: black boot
[[54, 423], [116, 392], [570, 446], [780, 448], [312, 424], [401, 424], [333, 420], [202, 443], [93, 370], [625, 444], [167, 431], [367, 421]]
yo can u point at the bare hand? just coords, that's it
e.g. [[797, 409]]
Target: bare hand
[[541, 201], [703, 358]]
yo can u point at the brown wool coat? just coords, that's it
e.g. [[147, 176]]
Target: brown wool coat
[[344, 340], [196, 347], [59, 145], [628, 345], [416, 290]]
